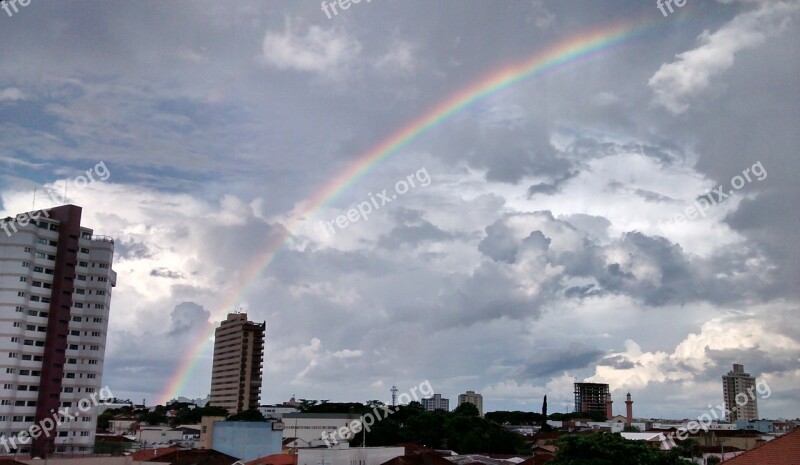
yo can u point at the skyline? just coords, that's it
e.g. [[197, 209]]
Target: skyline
[[584, 217]]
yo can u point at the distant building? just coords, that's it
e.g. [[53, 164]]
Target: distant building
[[306, 429], [349, 456], [437, 402], [739, 393], [276, 412], [592, 398], [470, 397], [236, 370], [247, 440]]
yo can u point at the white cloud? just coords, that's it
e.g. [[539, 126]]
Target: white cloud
[[12, 94], [313, 49], [674, 83], [399, 59]]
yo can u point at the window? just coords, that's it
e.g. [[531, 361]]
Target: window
[[41, 255], [17, 324], [73, 347], [72, 361], [84, 433], [22, 387], [97, 320], [28, 250], [20, 309], [103, 265], [44, 314], [92, 362], [26, 357], [83, 264], [32, 312], [42, 241], [5, 402], [74, 333], [20, 294], [101, 306], [76, 318], [44, 224], [45, 300], [18, 418], [23, 279], [96, 333], [102, 279], [28, 342], [49, 271], [24, 372], [70, 376], [38, 269], [81, 277], [53, 227], [100, 292], [77, 305], [51, 257], [8, 386], [80, 291], [26, 265], [36, 284], [67, 389], [12, 355], [54, 243], [94, 347], [84, 250], [35, 298], [91, 375]]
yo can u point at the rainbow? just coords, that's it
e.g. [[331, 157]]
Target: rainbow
[[553, 58]]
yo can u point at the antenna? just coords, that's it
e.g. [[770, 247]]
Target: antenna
[[394, 395], [33, 207]]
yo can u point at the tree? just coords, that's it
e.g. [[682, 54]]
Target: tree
[[247, 415], [467, 410], [688, 448], [153, 418], [610, 449], [543, 422]]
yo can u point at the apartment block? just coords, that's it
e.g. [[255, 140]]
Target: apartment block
[[738, 384], [56, 281], [592, 397], [238, 359], [471, 397], [436, 402]]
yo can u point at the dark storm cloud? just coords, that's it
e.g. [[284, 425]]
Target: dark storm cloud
[[165, 273], [548, 361]]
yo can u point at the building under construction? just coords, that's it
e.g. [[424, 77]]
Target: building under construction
[[592, 397]]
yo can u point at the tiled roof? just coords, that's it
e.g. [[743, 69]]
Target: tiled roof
[[275, 459], [10, 462], [784, 450], [147, 454]]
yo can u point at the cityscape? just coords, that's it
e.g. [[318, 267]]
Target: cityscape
[[399, 233]]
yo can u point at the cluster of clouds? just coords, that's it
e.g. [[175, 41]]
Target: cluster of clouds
[[539, 254]]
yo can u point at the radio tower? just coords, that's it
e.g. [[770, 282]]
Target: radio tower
[[394, 396]]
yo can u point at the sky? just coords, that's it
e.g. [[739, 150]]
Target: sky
[[629, 217]]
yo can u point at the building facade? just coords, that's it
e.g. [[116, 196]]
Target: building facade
[[55, 293], [741, 384], [238, 357], [592, 398], [436, 402], [311, 429], [470, 397]]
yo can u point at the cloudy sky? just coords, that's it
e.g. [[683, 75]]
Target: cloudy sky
[[547, 237]]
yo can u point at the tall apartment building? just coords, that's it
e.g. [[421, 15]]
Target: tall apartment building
[[741, 384], [436, 402], [55, 293], [238, 358], [471, 397], [592, 397]]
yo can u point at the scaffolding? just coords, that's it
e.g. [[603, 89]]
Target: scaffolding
[[591, 397]]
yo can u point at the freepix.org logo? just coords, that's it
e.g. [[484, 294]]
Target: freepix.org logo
[[12, 6]]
